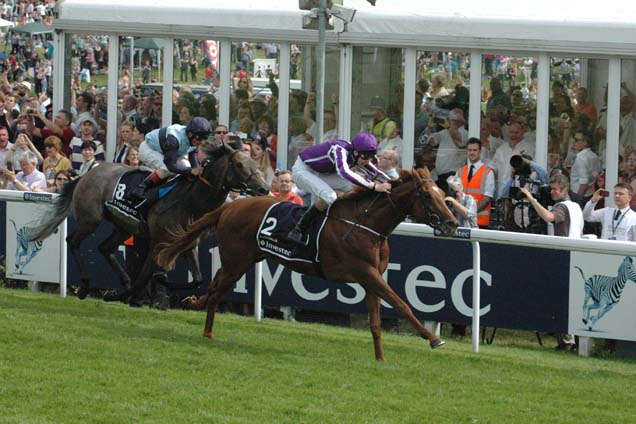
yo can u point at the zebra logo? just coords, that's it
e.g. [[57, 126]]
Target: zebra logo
[[25, 249], [605, 291]]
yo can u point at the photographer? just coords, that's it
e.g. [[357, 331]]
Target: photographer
[[568, 222], [523, 172]]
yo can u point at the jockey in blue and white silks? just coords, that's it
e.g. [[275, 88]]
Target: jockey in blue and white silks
[[162, 148], [324, 168]]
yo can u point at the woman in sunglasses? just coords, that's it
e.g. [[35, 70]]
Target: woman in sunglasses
[[162, 149], [324, 168], [61, 177]]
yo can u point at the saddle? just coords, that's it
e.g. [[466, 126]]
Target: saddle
[[135, 212], [276, 224]]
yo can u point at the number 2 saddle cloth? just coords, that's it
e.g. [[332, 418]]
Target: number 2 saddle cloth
[[278, 221]]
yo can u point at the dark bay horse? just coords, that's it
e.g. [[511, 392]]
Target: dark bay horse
[[362, 256], [224, 169]]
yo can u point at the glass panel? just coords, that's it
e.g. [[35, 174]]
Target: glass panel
[[440, 89], [509, 111], [627, 144], [139, 98], [303, 131], [578, 121], [253, 105], [377, 94], [88, 101]]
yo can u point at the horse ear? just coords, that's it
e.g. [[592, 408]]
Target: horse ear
[[228, 147]]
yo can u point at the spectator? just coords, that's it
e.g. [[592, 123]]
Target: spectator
[[392, 142], [22, 145], [132, 158], [55, 160], [299, 138], [87, 127], [61, 177], [450, 143], [478, 180], [59, 126], [586, 165], [285, 186], [584, 105], [88, 154], [437, 86], [220, 133], [568, 222], [29, 178], [381, 125], [489, 142], [259, 154], [265, 126], [618, 223], [463, 206], [497, 96], [83, 106], [516, 146], [5, 150], [126, 141], [387, 162]]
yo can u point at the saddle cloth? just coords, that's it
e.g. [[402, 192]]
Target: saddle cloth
[[276, 224], [133, 210]]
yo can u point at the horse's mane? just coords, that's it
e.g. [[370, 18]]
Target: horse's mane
[[359, 193]]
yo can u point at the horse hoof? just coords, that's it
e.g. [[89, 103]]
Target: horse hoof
[[82, 293], [208, 335], [437, 343], [584, 320], [189, 302]]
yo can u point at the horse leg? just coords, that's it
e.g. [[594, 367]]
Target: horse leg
[[376, 285], [375, 323], [74, 241], [221, 284], [108, 248], [192, 261], [143, 278]]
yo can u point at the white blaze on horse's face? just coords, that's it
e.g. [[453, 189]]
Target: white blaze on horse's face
[[436, 189]]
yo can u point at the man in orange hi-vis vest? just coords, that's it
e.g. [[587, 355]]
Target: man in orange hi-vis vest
[[478, 180]]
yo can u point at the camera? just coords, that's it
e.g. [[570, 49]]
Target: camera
[[605, 193]]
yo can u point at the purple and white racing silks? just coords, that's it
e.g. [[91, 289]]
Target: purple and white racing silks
[[332, 157]]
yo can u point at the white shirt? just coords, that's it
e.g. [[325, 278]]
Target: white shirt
[[33, 180], [585, 169], [622, 229], [502, 159], [449, 156]]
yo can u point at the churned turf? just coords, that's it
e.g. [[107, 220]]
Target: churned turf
[[72, 361]]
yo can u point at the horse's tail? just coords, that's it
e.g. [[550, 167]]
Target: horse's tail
[[52, 219], [180, 240]]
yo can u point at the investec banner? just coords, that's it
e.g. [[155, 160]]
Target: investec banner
[[523, 288]]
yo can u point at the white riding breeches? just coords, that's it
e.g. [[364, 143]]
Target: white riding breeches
[[321, 186]]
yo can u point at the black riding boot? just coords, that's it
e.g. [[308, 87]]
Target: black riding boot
[[299, 234], [139, 193]]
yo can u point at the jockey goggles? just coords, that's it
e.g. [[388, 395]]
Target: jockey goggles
[[367, 155]]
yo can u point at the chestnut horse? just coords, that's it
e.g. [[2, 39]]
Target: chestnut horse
[[353, 243]]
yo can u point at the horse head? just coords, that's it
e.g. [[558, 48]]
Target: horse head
[[242, 174], [429, 206]]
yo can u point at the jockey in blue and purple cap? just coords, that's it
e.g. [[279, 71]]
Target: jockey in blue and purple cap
[[324, 168]]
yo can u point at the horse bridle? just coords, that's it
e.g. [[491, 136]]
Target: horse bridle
[[242, 187], [422, 197]]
